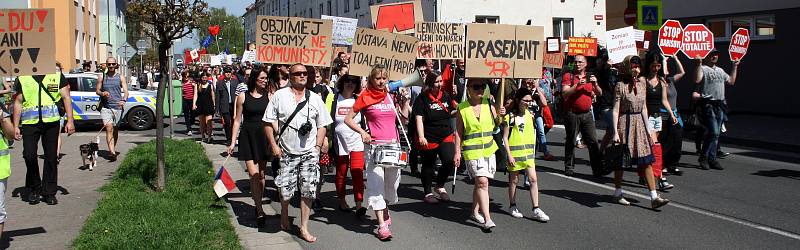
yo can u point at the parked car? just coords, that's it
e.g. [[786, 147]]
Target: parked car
[[138, 112]]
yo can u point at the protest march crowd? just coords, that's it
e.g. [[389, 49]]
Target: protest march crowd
[[295, 121]]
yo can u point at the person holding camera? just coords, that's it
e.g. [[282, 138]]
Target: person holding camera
[[711, 81], [578, 88], [300, 119]]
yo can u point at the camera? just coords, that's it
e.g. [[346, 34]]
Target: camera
[[304, 129]]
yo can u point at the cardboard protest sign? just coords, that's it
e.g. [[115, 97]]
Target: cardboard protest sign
[[344, 29], [500, 50], [553, 60], [440, 40], [698, 41], [290, 40], [586, 46], [620, 43], [396, 17], [336, 51], [739, 43], [206, 58], [394, 51], [670, 37], [28, 42]]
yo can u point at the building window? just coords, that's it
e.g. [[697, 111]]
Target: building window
[[562, 27], [329, 8], [765, 26], [760, 27], [356, 4], [486, 19], [321, 9], [346, 6], [371, 2], [311, 12]]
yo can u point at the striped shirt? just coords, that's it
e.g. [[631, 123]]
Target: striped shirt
[[188, 89]]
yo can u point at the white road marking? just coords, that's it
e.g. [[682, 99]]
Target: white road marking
[[691, 209]]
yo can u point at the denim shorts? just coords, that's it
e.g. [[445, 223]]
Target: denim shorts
[[654, 123]]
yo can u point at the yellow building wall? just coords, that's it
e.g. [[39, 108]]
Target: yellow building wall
[[65, 20]]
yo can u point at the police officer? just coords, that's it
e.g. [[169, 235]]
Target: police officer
[[37, 110]]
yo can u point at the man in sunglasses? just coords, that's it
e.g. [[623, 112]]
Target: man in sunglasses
[[299, 118], [578, 88], [112, 88]]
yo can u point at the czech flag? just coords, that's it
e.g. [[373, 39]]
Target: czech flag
[[223, 183]]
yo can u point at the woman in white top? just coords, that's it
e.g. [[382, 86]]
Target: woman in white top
[[348, 147]]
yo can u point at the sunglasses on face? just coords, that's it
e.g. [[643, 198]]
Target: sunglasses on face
[[301, 73], [478, 86], [112, 64]]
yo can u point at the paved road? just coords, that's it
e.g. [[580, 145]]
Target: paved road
[[751, 204]]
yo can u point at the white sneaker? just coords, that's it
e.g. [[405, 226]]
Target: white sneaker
[[478, 218], [189, 133], [539, 215], [514, 212]]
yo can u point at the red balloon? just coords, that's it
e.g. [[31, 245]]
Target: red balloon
[[213, 30]]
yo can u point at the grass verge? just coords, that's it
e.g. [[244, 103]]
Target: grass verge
[[131, 215]]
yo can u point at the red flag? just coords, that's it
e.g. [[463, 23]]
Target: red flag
[[448, 81], [213, 30], [187, 54], [202, 51]]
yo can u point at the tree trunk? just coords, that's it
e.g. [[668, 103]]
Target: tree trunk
[[163, 47]]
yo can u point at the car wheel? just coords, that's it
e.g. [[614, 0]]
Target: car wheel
[[140, 118]]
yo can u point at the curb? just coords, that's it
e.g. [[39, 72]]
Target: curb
[[249, 237]]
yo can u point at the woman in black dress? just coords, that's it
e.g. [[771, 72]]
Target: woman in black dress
[[204, 106], [250, 107]]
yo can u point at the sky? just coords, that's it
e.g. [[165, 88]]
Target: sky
[[234, 7]]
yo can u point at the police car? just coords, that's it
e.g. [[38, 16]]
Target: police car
[[138, 112]]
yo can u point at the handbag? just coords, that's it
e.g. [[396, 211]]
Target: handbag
[[103, 101], [617, 156]]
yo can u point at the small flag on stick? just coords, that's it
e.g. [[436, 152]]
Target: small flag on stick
[[223, 183]]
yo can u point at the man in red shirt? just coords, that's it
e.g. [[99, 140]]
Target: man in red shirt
[[578, 90]]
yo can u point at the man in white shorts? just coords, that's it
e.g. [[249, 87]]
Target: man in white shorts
[[111, 87]]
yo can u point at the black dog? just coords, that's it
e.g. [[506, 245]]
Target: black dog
[[89, 152]]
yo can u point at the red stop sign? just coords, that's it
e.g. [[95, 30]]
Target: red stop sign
[[630, 16], [739, 43], [670, 37], [698, 41]]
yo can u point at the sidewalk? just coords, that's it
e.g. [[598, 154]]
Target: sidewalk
[[765, 132], [241, 208], [42, 226]]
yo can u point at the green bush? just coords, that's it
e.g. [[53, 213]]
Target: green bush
[[131, 215]]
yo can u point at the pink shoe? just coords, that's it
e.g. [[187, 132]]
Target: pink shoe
[[383, 232], [387, 220]]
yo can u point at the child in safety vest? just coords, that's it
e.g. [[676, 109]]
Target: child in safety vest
[[519, 139], [7, 131]]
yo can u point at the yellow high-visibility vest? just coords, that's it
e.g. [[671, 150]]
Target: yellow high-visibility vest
[[522, 144], [477, 142], [37, 101]]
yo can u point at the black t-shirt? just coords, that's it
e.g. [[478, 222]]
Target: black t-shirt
[[62, 83], [435, 119], [461, 84]]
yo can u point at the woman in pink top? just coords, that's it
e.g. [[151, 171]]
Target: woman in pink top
[[379, 110]]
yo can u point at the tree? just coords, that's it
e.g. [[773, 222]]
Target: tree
[[168, 20], [231, 32]]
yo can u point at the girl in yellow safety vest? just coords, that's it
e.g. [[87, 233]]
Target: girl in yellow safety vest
[[6, 133], [475, 123], [519, 139]]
